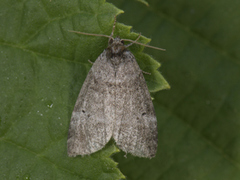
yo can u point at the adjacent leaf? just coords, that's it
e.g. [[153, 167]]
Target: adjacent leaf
[[144, 2], [43, 67], [198, 119]]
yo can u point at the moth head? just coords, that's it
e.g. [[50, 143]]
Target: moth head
[[116, 45]]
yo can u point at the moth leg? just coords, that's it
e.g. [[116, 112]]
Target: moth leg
[[115, 19], [146, 72], [90, 61], [134, 41]]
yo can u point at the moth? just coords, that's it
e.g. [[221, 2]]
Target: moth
[[114, 102]]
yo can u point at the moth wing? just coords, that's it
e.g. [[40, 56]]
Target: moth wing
[[135, 128], [91, 122]]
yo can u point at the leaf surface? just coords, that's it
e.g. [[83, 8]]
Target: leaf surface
[[42, 68]]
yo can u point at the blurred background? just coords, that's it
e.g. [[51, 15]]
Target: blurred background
[[199, 117]]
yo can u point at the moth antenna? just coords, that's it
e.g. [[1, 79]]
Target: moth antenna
[[134, 41], [91, 34]]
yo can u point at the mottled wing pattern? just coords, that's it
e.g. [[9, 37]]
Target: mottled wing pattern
[[92, 118], [135, 126]]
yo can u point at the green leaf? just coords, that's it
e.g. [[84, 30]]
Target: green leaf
[[198, 119], [42, 68]]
